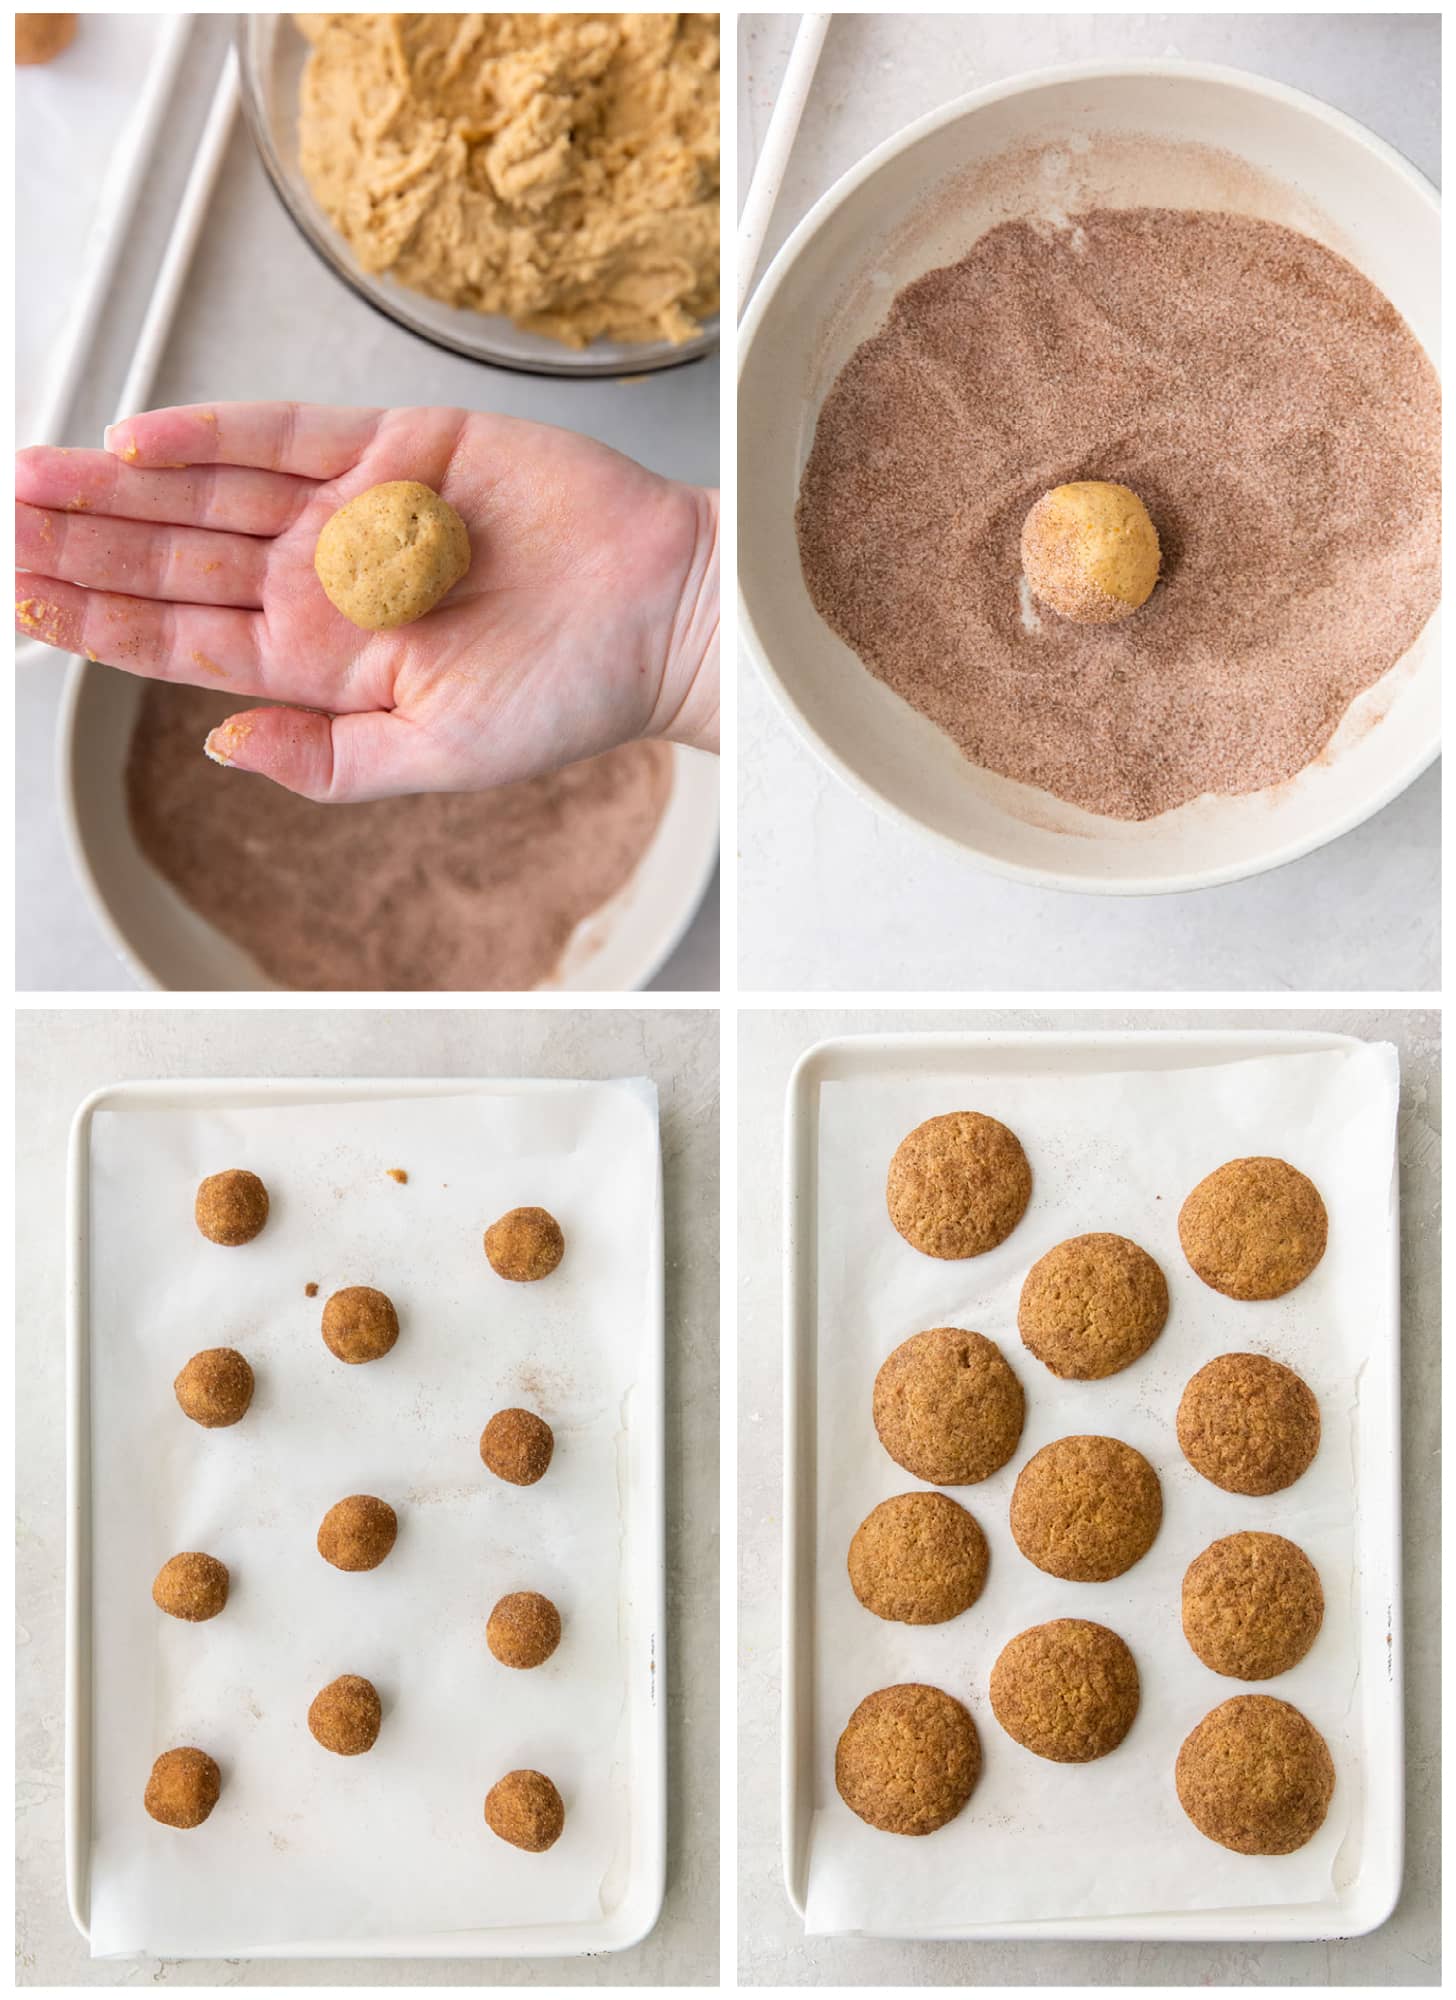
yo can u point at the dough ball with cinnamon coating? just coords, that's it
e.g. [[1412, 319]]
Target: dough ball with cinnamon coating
[[231, 1207], [345, 1716], [215, 1388], [524, 1245], [525, 1808], [516, 1445], [191, 1586], [360, 1324], [1090, 551], [184, 1787], [524, 1629], [40, 38], [358, 1533]]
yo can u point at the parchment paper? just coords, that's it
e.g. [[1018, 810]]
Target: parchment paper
[[304, 1844], [1108, 1152]]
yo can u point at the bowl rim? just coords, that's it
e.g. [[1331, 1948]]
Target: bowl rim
[[149, 980], [833, 198], [654, 359]]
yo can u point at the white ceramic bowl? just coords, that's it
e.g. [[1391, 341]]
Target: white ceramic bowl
[[167, 944], [918, 202], [271, 56]]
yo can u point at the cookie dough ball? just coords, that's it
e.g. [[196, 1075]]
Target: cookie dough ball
[[231, 1207], [524, 1245], [524, 1629], [191, 1586], [358, 1533], [918, 1559], [345, 1716], [947, 1407], [1249, 1424], [958, 1185], [908, 1760], [1091, 1306], [1254, 1229], [215, 1388], [516, 1445], [1090, 551], [1086, 1508], [184, 1787], [1252, 1606], [390, 555], [1067, 1691], [360, 1324], [525, 1808], [40, 38], [1256, 1776]]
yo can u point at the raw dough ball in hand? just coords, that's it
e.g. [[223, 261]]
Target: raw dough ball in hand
[[184, 1787], [231, 1207], [215, 1388], [360, 1324], [358, 1533], [1090, 551], [345, 1715], [525, 1244], [516, 1445], [390, 555], [525, 1808], [40, 38], [524, 1630], [191, 1586]]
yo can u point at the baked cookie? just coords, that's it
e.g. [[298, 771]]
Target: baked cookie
[[215, 1388], [947, 1407], [1252, 1606], [1086, 1508], [184, 1787], [1091, 1306], [919, 1559], [1249, 1424], [1256, 1776], [231, 1207], [191, 1586], [525, 1808], [908, 1759], [1067, 1690], [958, 1185], [1254, 1229]]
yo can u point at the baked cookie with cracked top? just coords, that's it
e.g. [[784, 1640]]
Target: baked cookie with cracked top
[[1256, 1776], [1067, 1690], [958, 1185], [1092, 1305], [1252, 1606], [908, 1759], [918, 1559], [1254, 1229], [947, 1406], [1086, 1508], [1249, 1424]]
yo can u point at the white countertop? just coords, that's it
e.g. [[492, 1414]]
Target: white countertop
[[61, 1057], [260, 317], [773, 1949], [1361, 914]]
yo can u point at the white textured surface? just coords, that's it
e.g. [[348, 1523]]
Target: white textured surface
[[261, 317], [772, 1946], [813, 860], [61, 1057]]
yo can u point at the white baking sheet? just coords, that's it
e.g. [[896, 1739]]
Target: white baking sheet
[[304, 1845], [1115, 1151]]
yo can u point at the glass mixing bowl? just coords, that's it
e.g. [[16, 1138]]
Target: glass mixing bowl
[[271, 55]]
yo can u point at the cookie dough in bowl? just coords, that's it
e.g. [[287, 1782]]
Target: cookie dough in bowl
[[389, 555]]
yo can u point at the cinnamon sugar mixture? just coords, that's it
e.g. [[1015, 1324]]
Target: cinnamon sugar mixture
[[1268, 405], [442, 893]]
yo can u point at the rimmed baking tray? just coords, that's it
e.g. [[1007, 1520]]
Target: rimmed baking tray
[[1367, 1870], [631, 1908]]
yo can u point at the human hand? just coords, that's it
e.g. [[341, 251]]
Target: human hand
[[184, 552]]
